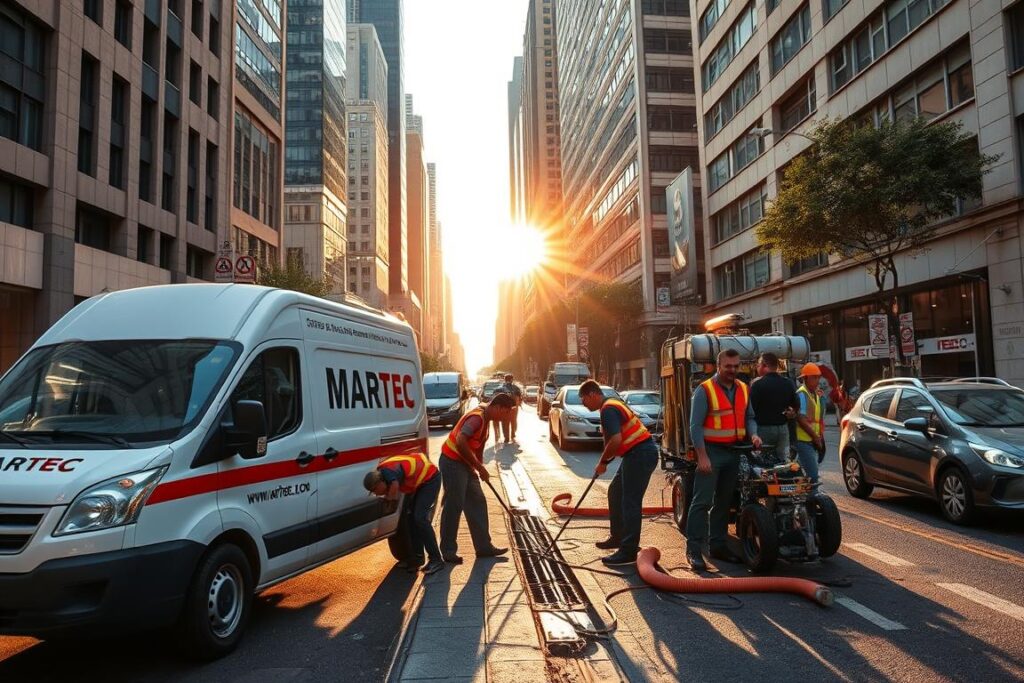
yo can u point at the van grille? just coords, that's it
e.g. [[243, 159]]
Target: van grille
[[17, 525]]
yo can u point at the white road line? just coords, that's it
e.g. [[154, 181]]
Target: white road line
[[879, 555], [985, 599], [869, 614]]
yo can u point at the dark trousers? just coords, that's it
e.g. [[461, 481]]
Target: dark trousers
[[421, 534], [708, 519], [626, 494], [509, 425], [462, 494]]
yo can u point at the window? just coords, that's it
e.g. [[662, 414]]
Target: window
[[144, 246], [93, 9], [123, 23], [22, 81], [931, 92], [210, 203], [660, 117], [192, 179], [167, 248], [16, 203], [740, 215], [667, 41], [147, 127], [92, 228], [723, 111], [830, 7], [195, 262], [197, 19], [797, 106], [118, 134], [172, 64], [1015, 18], [806, 265], [771, 5], [719, 172], [738, 36], [214, 41], [912, 404], [879, 403], [669, 79], [745, 150], [669, 8], [195, 84], [672, 159], [741, 275], [788, 41], [256, 170], [87, 115], [710, 17], [213, 98]]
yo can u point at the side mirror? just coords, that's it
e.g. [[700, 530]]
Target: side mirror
[[918, 424], [247, 437]]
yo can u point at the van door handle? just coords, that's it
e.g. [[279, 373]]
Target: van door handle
[[330, 454], [892, 434], [304, 458]]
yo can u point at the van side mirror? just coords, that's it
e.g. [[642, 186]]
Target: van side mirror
[[247, 437], [918, 424]]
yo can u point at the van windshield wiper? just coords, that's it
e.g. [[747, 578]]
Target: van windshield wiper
[[13, 438], [75, 433]]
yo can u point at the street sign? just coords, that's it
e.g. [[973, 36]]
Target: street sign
[[224, 270], [570, 340], [878, 334], [907, 341], [583, 344], [245, 269]]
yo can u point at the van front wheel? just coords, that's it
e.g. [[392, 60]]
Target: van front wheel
[[217, 604]]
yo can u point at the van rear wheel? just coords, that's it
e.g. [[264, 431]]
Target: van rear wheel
[[217, 605]]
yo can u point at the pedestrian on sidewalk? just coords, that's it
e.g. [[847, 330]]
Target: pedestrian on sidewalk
[[462, 467], [508, 425], [810, 419], [418, 478], [624, 437], [721, 417], [773, 398]]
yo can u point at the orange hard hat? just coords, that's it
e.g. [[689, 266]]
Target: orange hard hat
[[810, 370]]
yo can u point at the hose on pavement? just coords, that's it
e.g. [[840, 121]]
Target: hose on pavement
[[560, 505]]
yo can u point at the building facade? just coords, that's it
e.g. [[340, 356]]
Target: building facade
[[786, 65], [627, 126], [368, 236], [437, 315], [137, 139], [417, 205], [314, 171]]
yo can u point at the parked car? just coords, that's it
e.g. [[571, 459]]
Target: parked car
[[488, 389], [647, 406], [959, 442], [570, 422], [530, 394], [560, 375]]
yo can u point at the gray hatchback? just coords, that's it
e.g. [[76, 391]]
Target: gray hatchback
[[960, 442]]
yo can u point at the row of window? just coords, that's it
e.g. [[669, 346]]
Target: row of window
[[667, 41], [666, 8], [730, 104], [615, 192], [788, 41], [738, 36], [730, 162], [257, 73], [710, 17], [742, 274], [255, 171], [740, 215]]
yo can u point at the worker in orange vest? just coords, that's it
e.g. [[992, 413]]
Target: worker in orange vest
[[624, 437], [720, 416], [462, 467], [415, 476], [810, 430]]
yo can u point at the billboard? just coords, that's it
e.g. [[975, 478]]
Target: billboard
[[681, 231]]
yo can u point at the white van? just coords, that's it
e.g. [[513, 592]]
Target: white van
[[446, 396], [165, 452]]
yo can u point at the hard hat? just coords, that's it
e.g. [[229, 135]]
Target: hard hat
[[810, 370]]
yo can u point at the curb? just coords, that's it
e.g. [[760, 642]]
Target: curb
[[401, 642]]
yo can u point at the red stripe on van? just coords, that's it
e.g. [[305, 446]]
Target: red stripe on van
[[257, 474]]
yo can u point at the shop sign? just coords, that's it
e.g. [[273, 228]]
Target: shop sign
[[957, 343], [855, 353], [820, 357], [907, 341]]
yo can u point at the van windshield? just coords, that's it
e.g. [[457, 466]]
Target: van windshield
[[116, 392], [561, 379], [446, 390]]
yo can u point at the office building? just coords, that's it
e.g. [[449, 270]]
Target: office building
[[786, 65], [627, 128], [368, 167], [417, 199], [437, 315], [314, 171], [138, 138]]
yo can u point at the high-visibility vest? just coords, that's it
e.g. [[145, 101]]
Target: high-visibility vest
[[416, 468], [815, 415], [633, 431], [476, 441], [725, 423]]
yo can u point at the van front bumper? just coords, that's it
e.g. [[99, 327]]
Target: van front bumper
[[140, 588]]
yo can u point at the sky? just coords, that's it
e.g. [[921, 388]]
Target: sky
[[458, 61]]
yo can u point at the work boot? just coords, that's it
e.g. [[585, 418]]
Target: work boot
[[610, 543], [432, 567], [696, 560], [493, 551], [453, 559], [619, 558], [726, 555]]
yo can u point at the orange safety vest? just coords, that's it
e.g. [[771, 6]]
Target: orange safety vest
[[725, 423], [633, 431], [476, 442], [416, 468]]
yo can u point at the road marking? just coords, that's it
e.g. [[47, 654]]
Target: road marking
[[959, 544], [879, 555], [870, 614], [985, 599]]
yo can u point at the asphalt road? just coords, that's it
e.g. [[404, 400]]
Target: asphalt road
[[921, 599], [338, 622]]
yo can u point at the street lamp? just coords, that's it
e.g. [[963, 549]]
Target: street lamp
[[764, 132]]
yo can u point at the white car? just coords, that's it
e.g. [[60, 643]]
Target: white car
[[647, 406], [571, 423]]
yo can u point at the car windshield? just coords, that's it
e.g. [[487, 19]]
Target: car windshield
[[491, 386], [646, 399], [572, 396], [982, 407], [123, 391], [573, 378], [445, 390]]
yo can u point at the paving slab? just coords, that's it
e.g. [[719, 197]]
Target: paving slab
[[450, 617]]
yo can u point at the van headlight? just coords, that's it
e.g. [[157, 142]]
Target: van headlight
[[454, 406], [111, 503], [997, 456]]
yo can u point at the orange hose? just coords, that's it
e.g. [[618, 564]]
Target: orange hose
[[565, 508], [647, 561]]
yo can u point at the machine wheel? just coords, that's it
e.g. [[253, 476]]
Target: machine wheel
[[400, 544], [759, 538], [956, 498], [217, 604], [828, 527], [853, 475], [682, 492]]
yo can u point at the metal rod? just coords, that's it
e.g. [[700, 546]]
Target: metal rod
[[578, 503]]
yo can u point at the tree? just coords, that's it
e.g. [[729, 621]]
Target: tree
[[870, 193], [434, 363], [293, 276]]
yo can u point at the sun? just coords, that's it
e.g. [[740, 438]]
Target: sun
[[518, 251]]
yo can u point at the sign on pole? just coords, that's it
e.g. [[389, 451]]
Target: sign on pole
[[570, 340], [583, 344], [245, 269], [682, 243], [878, 334], [224, 268], [907, 341]]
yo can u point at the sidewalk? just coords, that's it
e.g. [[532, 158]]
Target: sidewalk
[[472, 622]]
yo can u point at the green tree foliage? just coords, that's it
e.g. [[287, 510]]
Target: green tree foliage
[[434, 363], [293, 276], [869, 193]]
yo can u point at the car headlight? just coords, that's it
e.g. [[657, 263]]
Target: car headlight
[[454, 406], [111, 503], [997, 456], [574, 418]]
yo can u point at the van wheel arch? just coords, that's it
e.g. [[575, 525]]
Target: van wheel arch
[[248, 546]]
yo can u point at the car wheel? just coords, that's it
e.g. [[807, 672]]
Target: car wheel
[[955, 496], [828, 527], [853, 476], [562, 443], [217, 604], [758, 537], [551, 433]]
